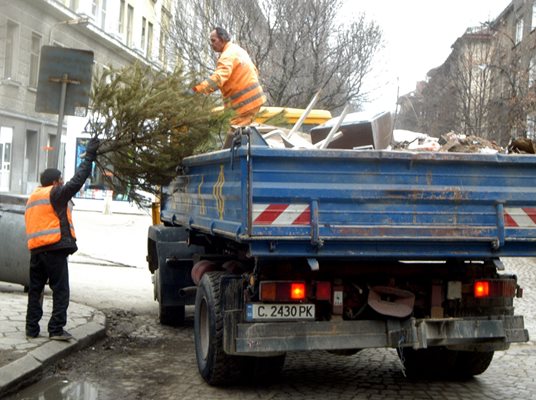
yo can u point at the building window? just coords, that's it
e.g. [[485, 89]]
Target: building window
[[122, 17], [130, 22], [98, 10], [12, 37], [103, 14], [519, 30], [34, 59], [166, 18], [143, 33], [149, 40], [73, 5], [94, 7]]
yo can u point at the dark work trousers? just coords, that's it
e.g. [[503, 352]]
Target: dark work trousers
[[51, 266]]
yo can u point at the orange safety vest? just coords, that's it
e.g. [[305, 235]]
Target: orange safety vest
[[237, 78], [42, 222]]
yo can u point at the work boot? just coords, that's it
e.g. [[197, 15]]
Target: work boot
[[63, 336], [32, 335]]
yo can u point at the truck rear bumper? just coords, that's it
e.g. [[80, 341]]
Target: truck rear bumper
[[472, 334]]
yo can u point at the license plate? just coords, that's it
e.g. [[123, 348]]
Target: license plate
[[279, 312]]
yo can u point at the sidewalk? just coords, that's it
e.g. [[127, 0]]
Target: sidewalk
[[23, 360], [108, 206]]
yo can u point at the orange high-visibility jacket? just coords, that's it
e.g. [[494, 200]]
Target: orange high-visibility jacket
[[237, 78], [42, 222]]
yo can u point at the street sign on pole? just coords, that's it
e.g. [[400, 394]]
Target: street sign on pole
[[63, 86], [56, 62]]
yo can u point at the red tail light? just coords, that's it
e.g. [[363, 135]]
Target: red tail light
[[297, 291], [495, 288], [481, 289], [282, 291]]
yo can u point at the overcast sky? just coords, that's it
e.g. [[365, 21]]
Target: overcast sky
[[418, 36]]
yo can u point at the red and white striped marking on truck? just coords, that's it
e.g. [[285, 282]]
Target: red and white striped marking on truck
[[520, 217], [300, 214], [281, 214]]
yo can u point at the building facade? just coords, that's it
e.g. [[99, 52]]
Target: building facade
[[514, 107], [118, 32], [485, 87]]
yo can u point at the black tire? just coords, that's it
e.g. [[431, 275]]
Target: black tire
[[262, 369], [471, 363], [430, 363], [215, 366], [167, 315], [441, 363]]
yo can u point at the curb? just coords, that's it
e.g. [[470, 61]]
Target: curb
[[28, 369]]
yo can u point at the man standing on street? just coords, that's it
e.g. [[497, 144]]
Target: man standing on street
[[51, 239], [237, 78]]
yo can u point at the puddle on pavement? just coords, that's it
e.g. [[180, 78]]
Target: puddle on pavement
[[58, 389]]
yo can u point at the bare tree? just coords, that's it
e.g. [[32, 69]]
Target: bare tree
[[439, 104], [471, 78], [297, 46]]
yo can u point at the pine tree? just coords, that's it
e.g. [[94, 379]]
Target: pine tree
[[148, 121]]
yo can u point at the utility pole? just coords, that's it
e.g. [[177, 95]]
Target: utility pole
[[64, 81]]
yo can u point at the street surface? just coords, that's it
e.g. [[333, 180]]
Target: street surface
[[142, 360]]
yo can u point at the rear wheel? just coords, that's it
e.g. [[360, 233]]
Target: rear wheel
[[439, 362], [215, 366], [434, 362], [263, 369], [471, 363]]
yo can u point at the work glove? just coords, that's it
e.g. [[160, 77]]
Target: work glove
[[91, 149]]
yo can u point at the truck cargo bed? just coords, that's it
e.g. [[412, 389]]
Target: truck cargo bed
[[345, 203]]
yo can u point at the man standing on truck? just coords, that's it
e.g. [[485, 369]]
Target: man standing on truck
[[51, 239], [237, 78]]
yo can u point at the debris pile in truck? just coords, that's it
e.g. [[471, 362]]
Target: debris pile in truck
[[469, 144], [414, 141], [450, 142], [365, 133]]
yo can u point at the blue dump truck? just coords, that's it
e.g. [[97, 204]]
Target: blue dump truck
[[285, 250]]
